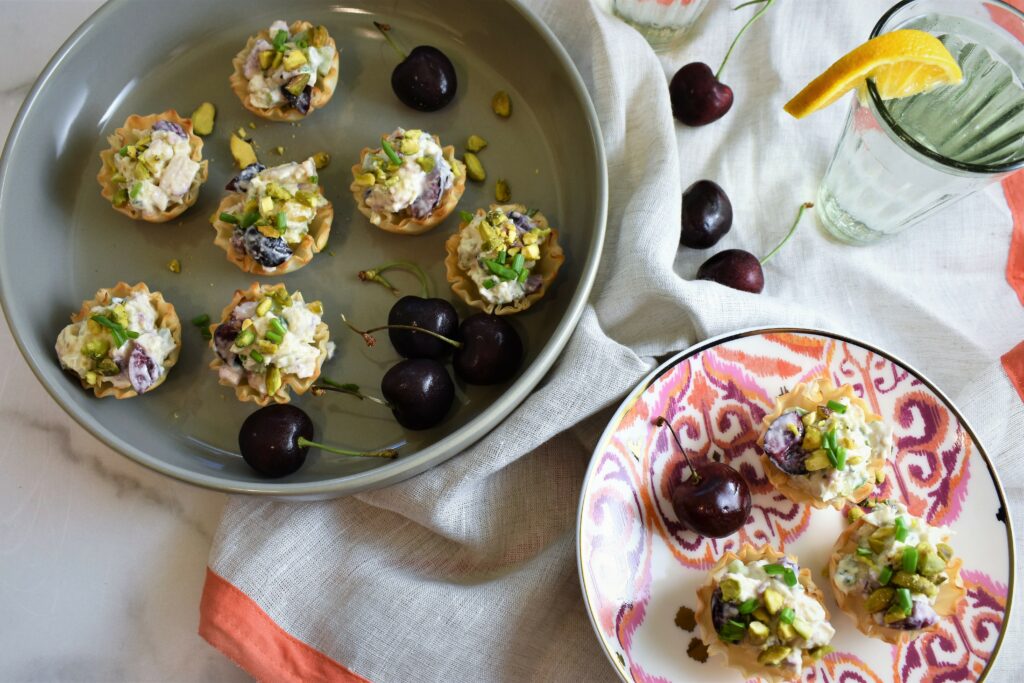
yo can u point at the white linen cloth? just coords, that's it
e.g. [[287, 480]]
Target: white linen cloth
[[467, 572]]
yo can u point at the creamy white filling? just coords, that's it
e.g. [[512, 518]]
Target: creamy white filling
[[171, 172], [410, 178], [265, 89]]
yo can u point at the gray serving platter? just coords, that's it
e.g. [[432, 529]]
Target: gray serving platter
[[60, 241]]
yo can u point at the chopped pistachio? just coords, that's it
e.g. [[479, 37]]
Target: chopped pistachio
[[119, 315], [730, 589], [264, 306], [916, 584], [785, 632], [812, 439], [266, 59], [321, 160], [276, 191], [297, 84], [174, 265], [761, 614], [316, 307], [803, 629], [279, 150], [879, 538], [242, 133], [107, 367], [944, 550], [880, 599], [273, 379], [410, 145], [880, 476], [819, 652], [773, 656], [502, 192], [90, 377], [203, 118], [242, 151], [501, 104], [772, 600], [268, 231], [855, 513], [531, 252], [245, 338], [276, 61], [426, 163], [293, 59], [266, 346], [266, 206], [474, 169], [281, 296], [818, 460], [475, 143], [758, 632], [247, 323], [95, 348], [120, 197], [894, 614], [365, 179]]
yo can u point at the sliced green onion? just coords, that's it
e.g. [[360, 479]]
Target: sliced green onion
[[201, 320], [864, 552], [832, 459], [132, 334], [466, 216], [774, 569], [123, 151], [117, 331], [523, 274], [836, 407], [518, 261], [256, 356], [314, 179], [830, 438], [748, 606], [910, 557], [904, 600], [733, 631], [135, 191], [280, 38], [206, 334], [274, 336], [787, 615], [840, 453], [282, 221], [249, 218], [502, 257], [276, 326], [901, 528], [229, 218], [501, 271], [489, 283], [390, 151], [790, 577], [885, 575]]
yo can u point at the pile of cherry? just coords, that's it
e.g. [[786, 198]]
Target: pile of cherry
[[485, 349]]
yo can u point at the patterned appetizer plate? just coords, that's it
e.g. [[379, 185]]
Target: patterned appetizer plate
[[640, 569]]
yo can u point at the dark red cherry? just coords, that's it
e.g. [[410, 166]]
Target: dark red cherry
[[269, 439], [707, 215], [715, 502], [491, 350], [425, 78], [436, 315], [420, 392], [698, 98], [734, 268]]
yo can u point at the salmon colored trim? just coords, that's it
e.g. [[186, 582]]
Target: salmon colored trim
[[1013, 364], [1013, 188], [234, 624]]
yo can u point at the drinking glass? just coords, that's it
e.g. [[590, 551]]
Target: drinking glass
[[662, 22], [901, 160]]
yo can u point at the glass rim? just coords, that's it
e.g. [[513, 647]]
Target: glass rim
[[878, 104]]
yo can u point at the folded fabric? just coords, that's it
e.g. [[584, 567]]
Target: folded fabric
[[467, 572]]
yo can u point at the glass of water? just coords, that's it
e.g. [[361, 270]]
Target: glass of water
[[662, 22], [901, 160]]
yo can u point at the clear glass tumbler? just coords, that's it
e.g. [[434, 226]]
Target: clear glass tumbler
[[662, 22], [899, 161]]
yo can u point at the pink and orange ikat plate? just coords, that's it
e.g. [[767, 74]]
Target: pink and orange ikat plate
[[640, 569]]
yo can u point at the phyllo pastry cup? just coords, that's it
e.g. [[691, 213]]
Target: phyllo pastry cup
[[244, 344], [406, 220], [751, 649], [484, 283], [112, 359], [117, 189], [865, 582], [311, 98], [822, 446]]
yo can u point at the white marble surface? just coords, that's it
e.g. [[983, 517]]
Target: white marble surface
[[101, 561]]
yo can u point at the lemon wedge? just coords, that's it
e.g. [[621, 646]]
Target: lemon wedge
[[902, 63]]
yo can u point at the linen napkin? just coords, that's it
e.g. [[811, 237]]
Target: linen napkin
[[468, 572]]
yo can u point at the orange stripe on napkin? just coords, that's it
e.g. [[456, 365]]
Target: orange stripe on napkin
[[234, 624], [1013, 188], [1013, 364]]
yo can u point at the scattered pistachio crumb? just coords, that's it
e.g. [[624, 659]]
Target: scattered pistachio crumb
[[321, 160], [203, 118], [242, 133], [252, 125], [502, 192], [474, 169], [697, 650], [501, 104], [174, 266], [475, 143], [685, 618], [279, 150]]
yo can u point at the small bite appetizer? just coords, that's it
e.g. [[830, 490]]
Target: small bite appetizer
[[503, 260], [894, 573], [409, 184], [823, 446], [267, 341], [286, 72], [154, 167], [764, 614], [274, 219], [122, 342]]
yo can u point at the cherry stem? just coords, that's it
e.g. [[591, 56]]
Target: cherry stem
[[386, 453], [384, 28], [371, 340], [799, 215], [760, 12], [662, 422], [328, 384], [377, 275]]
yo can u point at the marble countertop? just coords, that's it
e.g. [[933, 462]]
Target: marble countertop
[[101, 561]]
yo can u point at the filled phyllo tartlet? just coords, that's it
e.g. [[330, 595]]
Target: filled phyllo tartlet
[[154, 167], [285, 72], [823, 446], [122, 342], [269, 341], [409, 184], [274, 219], [764, 614], [894, 573], [503, 260]]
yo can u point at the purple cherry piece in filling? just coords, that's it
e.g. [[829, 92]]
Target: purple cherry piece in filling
[[240, 183], [722, 611], [142, 371], [782, 443], [171, 127], [921, 616], [224, 337]]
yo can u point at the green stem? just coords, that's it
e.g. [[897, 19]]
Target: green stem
[[760, 12], [370, 340], [799, 215], [376, 275], [328, 384], [386, 453], [662, 422], [384, 28]]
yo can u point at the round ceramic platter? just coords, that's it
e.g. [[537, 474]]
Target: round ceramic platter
[[60, 241], [639, 567]]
